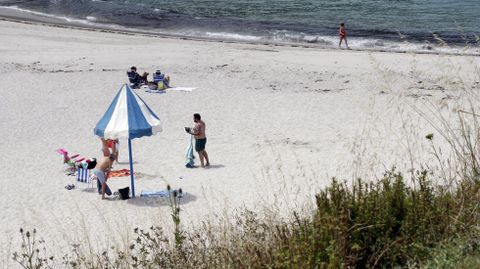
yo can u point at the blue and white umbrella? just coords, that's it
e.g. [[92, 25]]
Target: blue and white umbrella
[[128, 116]]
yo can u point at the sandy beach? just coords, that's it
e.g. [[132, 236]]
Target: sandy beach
[[281, 121]]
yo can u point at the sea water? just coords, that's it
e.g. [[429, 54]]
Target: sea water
[[390, 24]]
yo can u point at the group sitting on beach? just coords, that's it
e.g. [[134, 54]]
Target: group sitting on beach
[[160, 81]]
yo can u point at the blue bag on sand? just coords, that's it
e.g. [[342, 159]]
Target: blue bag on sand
[[190, 163]]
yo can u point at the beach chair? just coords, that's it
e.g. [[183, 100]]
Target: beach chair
[[158, 76], [84, 176], [67, 158], [161, 80], [70, 160]]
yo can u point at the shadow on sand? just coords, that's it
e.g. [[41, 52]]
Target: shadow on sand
[[89, 189], [212, 166], [216, 166]]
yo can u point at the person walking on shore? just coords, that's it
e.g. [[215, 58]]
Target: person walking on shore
[[198, 133], [343, 35]]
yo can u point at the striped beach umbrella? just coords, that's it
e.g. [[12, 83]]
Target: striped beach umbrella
[[128, 116]]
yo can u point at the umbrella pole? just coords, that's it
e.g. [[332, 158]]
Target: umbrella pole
[[132, 181]]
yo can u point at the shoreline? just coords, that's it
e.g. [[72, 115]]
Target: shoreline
[[11, 15]]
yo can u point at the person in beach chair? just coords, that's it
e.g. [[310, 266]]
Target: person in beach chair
[[161, 80], [135, 79]]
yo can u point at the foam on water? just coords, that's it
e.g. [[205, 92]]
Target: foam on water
[[88, 21], [232, 36], [41, 14]]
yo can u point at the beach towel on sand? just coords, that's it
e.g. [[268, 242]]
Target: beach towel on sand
[[173, 89], [159, 193], [181, 89], [154, 91], [189, 154], [119, 173]]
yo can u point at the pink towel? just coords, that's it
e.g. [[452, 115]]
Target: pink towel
[[75, 157], [61, 151]]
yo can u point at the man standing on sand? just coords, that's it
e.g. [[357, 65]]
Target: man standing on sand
[[343, 35], [101, 171], [198, 133]]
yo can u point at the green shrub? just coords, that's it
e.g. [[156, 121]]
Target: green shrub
[[381, 224], [456, 254]]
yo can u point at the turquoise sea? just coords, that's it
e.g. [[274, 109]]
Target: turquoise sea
[[401, 24]]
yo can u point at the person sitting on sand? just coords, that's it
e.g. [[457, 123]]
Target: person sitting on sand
[[101, 172], [343, 35], [143, 79], [162, 81]]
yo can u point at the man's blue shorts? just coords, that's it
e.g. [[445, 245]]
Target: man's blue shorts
[[200, 144]]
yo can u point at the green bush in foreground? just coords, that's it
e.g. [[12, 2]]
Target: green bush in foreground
[[459, 253], [386, 224], [382, 224]]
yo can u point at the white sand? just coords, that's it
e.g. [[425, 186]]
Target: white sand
[[280, 122]]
